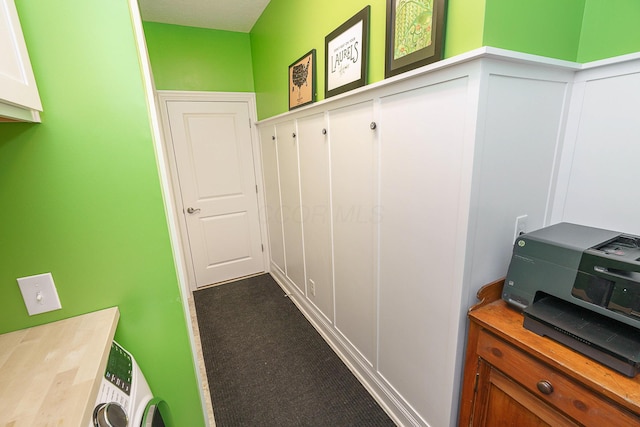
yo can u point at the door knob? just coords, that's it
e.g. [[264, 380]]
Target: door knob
[[192, 210]]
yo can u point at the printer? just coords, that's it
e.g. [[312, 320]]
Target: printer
[[580, 286]]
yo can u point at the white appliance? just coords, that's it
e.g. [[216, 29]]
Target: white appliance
[[124, 384]]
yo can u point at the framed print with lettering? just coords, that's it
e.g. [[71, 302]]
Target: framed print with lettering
[[302, 81], [415, 34], [346, 55]]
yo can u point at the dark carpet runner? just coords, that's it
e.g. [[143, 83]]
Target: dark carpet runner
[[267, 366]]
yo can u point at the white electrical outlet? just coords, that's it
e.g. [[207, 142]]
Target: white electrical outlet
[[521, 226], [312, 287], [39, 293]]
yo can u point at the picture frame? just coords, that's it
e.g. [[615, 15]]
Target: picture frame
[[415, 34], [302, 80], [346, 55]]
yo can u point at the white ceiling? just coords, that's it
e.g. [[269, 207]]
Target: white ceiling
[[230, 15]]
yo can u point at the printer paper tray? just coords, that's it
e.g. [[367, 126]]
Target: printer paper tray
[[612, 343]]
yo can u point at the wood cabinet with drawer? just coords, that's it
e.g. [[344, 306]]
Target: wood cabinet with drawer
[[514, 377]]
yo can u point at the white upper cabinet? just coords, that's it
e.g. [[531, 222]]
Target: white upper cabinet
[[19, 98]]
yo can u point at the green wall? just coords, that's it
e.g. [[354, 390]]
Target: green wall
[[544, 27], [464, 26], [81, 198], [185, 58], [288, 29], [610, 28], [285, 32], [188, 58], [573, 30]]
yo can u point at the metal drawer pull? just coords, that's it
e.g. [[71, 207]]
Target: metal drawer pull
[[545, 387]]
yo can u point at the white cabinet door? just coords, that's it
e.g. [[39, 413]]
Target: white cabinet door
[[355, 218], [272, 194], [290, 196], [316, 211], [18, 89], [421, 160]]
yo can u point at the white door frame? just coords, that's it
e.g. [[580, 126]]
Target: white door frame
[[164, 96], [170, 211]]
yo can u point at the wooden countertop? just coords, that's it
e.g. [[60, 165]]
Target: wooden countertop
[[50, 374], [506, 323]]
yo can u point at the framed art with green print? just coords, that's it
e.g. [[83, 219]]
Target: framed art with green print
[[415, 34]]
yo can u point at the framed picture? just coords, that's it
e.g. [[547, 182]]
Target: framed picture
[[415, 34], [302, 81], [346, 55]]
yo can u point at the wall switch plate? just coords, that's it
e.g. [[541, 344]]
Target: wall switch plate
[[39, 293]]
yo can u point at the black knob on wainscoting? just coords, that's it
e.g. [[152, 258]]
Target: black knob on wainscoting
[[273, 137], [324, 131], [545, 387], [293, 134], [373, 125]]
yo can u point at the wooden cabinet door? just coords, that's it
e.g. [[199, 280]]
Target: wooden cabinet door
[[290, 196], [269, 148], [502, 402]]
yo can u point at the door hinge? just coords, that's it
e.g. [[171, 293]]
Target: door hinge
[[262, 245], [249, 123], [475, 386], [256, 188]]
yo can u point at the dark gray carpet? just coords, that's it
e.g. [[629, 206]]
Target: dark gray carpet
[[267, 366]]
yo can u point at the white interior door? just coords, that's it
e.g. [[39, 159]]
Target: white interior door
[[212, 145]]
